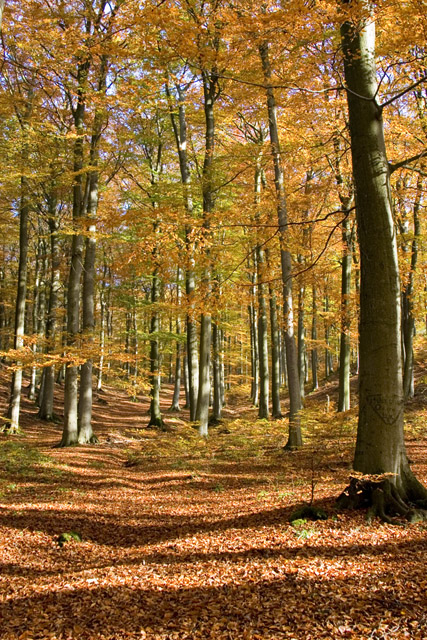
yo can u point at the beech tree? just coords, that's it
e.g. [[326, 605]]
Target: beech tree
[[380, 448]]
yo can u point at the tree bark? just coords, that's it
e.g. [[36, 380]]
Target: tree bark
[[210, 93], [295, 436], [314, 353], [12, 425], [177, 383], [344, 370], [70, 430], [180, 132], [47, 395], [380, 447], [408, 319]]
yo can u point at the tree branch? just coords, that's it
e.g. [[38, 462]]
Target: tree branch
[[398, 165]]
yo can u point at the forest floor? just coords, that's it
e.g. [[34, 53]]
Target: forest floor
[[183, 537]]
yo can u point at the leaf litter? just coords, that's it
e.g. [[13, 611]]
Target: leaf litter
[[182, 538]]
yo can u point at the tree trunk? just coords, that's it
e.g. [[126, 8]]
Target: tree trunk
[[202, 413], [295, 436], [380, 447], [210, 94], [12, 425], [46, 395], [86, 434], [216, 362], [177, 383], [186, 388], [180, 131], [408, 320], [275, 352], [156, 419], [314, 354], [70, 430], [344, 370], [301, 341]]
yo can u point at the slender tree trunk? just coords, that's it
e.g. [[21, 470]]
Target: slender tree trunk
[[216, 362], [260, 258], [328, 366], [263, 409], [301, 341], [39, 309], [86, 434], [15, 397], [12, 425], [408, 320], [156, 419], [47, 393], [295, 436], [275, 352], [102, 325], [314, 354], [344, 370], [202, 413], [179, 126], [177, 384], [186, 386]]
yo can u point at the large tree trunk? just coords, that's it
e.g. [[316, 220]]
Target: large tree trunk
[[295, 436], [380, 447], [70, 430]]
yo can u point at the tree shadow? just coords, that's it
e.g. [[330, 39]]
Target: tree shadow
[[290, 605]]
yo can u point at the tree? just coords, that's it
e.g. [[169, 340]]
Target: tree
[[380, 447]]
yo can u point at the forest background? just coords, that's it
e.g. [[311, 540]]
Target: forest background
[[185, 210]]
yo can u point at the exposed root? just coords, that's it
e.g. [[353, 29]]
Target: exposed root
[[381, 498]]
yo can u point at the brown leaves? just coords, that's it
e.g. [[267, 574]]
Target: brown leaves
[[193, 542]]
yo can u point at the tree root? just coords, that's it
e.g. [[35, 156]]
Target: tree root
[[381, 498]]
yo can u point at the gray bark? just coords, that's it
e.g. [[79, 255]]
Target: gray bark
[[70, 430], [275, 352], [408, 319], [46, 397], [179, 126], [314, 353], [216, 367], [210, 94], [344, 370], [295, 436], [12, 426], [301, 341], [264, 380], [156, 419], [380, 444], [177, 382], [39, 308]]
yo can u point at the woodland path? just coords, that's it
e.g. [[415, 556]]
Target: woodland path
[[183, 538]]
